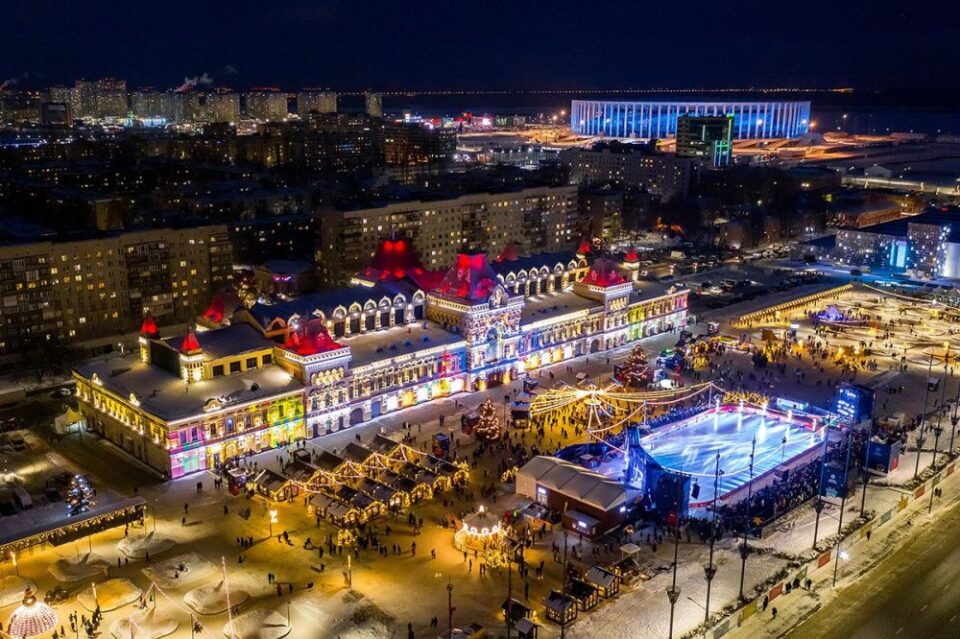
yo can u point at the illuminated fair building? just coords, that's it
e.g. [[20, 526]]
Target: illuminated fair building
[[480, 532], [249, 379]]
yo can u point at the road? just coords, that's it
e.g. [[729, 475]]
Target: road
[[912, 594]]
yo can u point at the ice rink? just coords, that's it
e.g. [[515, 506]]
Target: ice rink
[[691, 447]]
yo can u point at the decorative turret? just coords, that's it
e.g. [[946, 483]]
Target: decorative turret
[[191, 358], [190, 344], [470, 280], [148, 331], [309, 339]]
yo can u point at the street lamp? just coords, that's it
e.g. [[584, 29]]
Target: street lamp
[[710, 570], [819, 505], [449, 608], [843, 502], [272, 519], [938, 429], [744, 547], [921, 436], [673, 592]]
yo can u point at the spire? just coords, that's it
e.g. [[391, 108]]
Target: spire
[[190, 343], [148, 328]]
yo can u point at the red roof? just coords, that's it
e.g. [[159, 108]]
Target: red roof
[[224, 303], [470, 278], [190, 343], [631, 256], [149, 326], [311, 339], [397, 257], [511, 253], [603, 273]]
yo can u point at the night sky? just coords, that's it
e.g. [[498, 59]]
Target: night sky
[[422, 44]]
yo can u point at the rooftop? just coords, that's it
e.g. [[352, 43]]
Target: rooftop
[[555, 305], [225, 342], [937, 217], [165, 395], [397, 341]]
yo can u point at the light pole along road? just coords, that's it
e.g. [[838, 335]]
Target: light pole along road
[[912, 594]]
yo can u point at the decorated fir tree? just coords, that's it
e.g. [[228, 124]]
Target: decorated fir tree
[[636, 372], [79, 495], [488, 426]]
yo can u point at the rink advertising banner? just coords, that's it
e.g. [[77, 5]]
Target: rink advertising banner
[[823, 559], [803, 573], [722, 629], [776, 591], [918, 493], [885, 517], [950, 469]]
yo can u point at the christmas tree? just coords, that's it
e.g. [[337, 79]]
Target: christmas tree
[[636, 373], [79, 495], [488, 425]]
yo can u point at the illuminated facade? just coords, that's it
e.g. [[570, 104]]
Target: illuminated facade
[[751, 120], [247, 380]]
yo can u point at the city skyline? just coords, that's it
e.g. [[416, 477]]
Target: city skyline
[[432, 49]]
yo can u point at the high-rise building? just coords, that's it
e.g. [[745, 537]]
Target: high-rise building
[[223, 106], [110, 98], [89, 288], [55, 114], [602, 206], [663, 174], [266, 104], [535, 220], [708, 138], [374, 104], [172, 106], [312, 100], [412, 144]]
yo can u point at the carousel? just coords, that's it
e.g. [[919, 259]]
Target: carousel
[[31, 618], [481, 533]]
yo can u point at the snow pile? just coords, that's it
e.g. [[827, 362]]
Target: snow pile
[[109, 595], [261, 623], [365, 621], [11, 589], [79, 568], [179, 570], [144, 624], [212, 600], [139, 546]]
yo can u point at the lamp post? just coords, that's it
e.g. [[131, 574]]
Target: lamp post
[[449, 608], [271, 519], [673, 592], [955, 418], [710, 570], [819, 505], [938, 429], [744, 547], [921, 436], [843, 501], [866, 472]]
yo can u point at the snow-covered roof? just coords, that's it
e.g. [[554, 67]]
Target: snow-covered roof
[[576, 482]]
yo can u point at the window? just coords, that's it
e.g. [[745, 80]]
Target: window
[[218, 370], [252, 362], [234, 367], [267, 359]]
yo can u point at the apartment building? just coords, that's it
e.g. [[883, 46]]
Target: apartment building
[[536, 220], [89, 288]]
